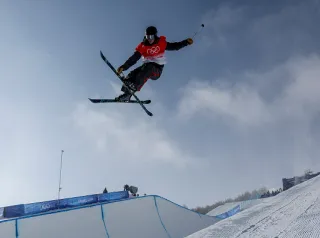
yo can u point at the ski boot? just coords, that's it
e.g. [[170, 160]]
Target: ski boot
[[126, 96]]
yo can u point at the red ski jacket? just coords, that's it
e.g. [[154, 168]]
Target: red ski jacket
[[153, 52]]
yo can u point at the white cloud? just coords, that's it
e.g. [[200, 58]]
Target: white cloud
[[129, 136], [298, 99], [240, 103], [275, 113], [302, 95]]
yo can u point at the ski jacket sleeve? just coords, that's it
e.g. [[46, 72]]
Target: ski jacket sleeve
[[176, 45], [132, 60]]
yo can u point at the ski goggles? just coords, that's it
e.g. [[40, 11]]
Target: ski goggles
[[149, 37]]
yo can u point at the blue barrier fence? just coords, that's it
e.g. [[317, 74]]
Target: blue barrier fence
[[40, 207], [229, 213]]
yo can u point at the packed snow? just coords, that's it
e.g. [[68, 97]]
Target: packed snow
[[292, 213]]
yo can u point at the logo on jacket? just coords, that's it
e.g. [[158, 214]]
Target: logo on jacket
[[153, 50]]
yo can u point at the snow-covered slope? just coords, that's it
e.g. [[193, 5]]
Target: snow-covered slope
[[243, 205], [149, 216], [223, 208], [292, 213]]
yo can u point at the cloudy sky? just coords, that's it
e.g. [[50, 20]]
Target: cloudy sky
[[237, 110]]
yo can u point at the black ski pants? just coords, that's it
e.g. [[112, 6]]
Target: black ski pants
[[140, 75]]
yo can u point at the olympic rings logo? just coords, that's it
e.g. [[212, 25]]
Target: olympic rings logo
[[153, 50]]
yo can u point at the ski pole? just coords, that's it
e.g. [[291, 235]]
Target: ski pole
[[202, 25]]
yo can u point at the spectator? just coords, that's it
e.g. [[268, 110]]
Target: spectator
[[126, 187]]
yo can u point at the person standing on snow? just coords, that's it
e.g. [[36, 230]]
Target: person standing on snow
[[152, 50]]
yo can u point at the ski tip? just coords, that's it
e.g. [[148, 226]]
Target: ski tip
[[102, 56], [149, 113]]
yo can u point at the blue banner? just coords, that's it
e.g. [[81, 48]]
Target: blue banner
[[40, 207], [105, 197], [13, 211], [229, 213], [77, 201]]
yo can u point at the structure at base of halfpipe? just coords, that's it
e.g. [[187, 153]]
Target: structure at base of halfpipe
[[148, 216]]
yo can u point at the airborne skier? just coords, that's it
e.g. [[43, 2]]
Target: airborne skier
[[152, 50]]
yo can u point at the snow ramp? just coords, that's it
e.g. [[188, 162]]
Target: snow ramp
[[147, 216], [292, 213]]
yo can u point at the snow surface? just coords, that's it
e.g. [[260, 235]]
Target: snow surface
[[292, 213], [229, 205], [149, 216], [223, 208]]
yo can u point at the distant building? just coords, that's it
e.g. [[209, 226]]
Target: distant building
[[290, 182]]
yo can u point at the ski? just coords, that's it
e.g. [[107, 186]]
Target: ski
[[106, 100], [114, 70]]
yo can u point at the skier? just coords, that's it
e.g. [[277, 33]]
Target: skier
[[152, 50]]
